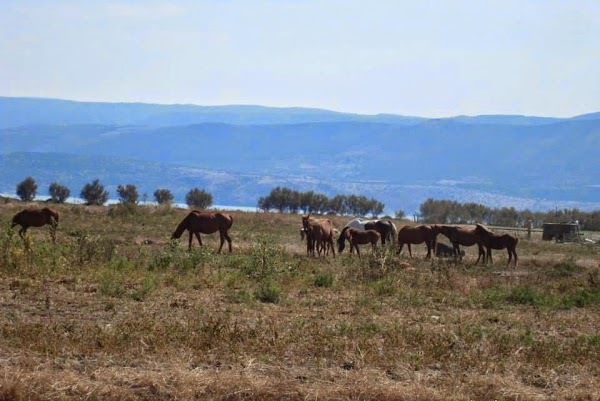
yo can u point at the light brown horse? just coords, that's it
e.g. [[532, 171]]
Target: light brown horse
[[361, 237], [417, 235], [462, 236], [496, 241], [205, 223], [319, 235], [35, 217]]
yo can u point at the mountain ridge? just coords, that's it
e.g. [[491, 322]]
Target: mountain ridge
[[21, 111]]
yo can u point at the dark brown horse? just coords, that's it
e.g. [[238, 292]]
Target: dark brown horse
[[361, 237], [496, 241], [35, 217], [319, 235], [205, 223], [462, 236], [417, 235]]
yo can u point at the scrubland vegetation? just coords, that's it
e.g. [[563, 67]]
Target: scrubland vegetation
[[114, 310]]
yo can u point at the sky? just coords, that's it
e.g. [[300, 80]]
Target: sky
[[420, 58]]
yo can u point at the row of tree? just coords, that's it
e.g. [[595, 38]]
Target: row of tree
[[93, 193], [284, 199], [451, 212]]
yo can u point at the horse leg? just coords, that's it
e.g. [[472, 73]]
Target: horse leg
[[228, 238], [428, 245], [198, 237], [22, 232], [515, 255], [480, 252], [357, 251], [400, 247], [222, 238], [489, 256], [409, 251]]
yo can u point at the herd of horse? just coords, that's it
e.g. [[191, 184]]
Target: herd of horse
[[320, 234]]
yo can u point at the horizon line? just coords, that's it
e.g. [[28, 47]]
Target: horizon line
[[298, 107]]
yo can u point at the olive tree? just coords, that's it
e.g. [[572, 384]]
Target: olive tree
[[27, 189], [94, 194]]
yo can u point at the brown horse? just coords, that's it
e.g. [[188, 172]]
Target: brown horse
[[496, 241], [319, 235], [35, 217], [417, 235], [462, 236], [205, 223], [361, 237], [386, 228]]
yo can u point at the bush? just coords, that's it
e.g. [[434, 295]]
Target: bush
[[128, 193], [163, 196], [94, 194], [27, 189], [58, 193], [324, 280], [198, 198]]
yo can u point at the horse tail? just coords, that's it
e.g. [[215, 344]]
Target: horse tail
[[182, 226], [342, 240], [229, 220], [54, 215], [394, 232]]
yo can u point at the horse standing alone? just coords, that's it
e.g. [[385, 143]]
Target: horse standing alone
[[35, 217], [205, 223]]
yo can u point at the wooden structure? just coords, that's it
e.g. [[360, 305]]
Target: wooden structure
[[561, 232]]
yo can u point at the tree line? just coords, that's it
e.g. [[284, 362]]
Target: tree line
[[452, 212], [94, 193], [284, 199]]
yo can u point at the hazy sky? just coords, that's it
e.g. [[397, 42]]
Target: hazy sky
[[425, 58]]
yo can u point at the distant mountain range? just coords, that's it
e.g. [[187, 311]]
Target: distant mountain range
[[240, 153]]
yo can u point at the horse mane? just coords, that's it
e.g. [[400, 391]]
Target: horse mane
[[342, 239], [483, 228]]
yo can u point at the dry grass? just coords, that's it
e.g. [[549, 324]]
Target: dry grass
[[114, 310]]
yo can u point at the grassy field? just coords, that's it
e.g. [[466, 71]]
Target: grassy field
[[114, 310]]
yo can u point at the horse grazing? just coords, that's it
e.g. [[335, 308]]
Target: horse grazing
[[361, 237], [35, 217], [417, 235], [385, 228], [496, 241], [462, 236], [319, 235], [205, 223]]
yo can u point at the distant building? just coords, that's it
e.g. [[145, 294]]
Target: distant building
[[561, 232]]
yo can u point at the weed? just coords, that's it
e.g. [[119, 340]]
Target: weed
[[323, 280], [566, 268], [268, 292]]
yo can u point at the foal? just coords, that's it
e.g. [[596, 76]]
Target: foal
[[361, 237]]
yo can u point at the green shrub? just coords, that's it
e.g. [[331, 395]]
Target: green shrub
[[324, 280], [268, 292]]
